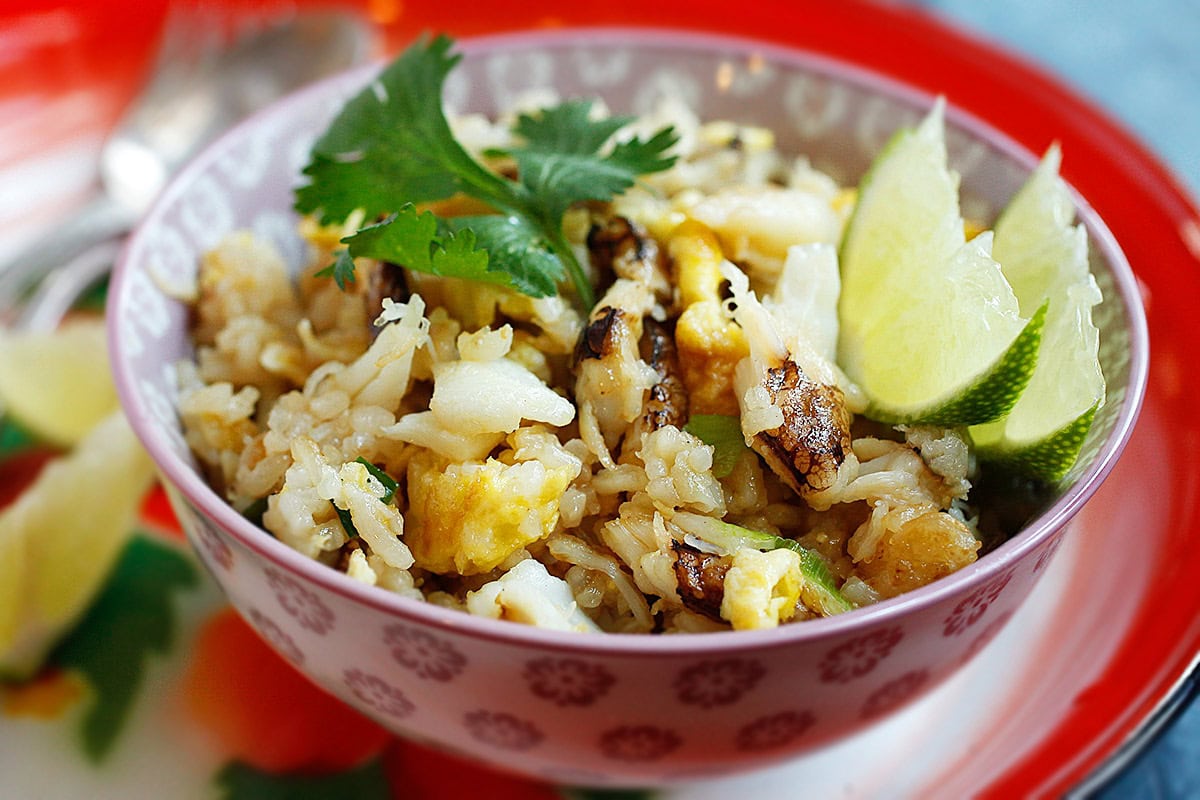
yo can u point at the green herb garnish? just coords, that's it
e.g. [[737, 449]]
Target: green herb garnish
[[391, 147], [346, 520], [819, 591], [724, 434], [341, 270], [389, 485]]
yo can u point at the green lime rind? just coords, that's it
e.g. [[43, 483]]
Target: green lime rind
[[992, 395], [1050, 458], [1044, 255], [930, 329]]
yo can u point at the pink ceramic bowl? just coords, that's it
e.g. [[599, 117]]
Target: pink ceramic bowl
[[591, 709]]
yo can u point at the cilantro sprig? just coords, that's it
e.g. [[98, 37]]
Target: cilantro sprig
[[392, 148]]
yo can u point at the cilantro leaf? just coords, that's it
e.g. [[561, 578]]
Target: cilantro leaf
[[415, 240], [567, 128], [391, 145], [341, 270], [641, 157], [518, 247], [724, 434], [559, 163]]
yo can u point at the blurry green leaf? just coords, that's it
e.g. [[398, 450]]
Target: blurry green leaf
[[13, 436], [609, 794], [240, 781], [133, 617]]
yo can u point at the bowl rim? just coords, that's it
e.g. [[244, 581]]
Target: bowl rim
[[181, 477]]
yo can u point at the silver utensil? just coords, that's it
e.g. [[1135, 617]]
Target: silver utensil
[[203, 83]]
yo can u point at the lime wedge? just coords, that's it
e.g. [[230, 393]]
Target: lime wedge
[[57, 385], [59, 540], [930, 328], [1045, 258]]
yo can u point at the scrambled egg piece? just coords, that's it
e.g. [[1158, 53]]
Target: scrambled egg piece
[[469, 517], [761, 589], [710, 344]]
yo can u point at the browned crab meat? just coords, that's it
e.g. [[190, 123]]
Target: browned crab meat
[[701, 579], [611, 379], [620, 248], [385, 281], [599, 337], [811, 444], [667, 402]]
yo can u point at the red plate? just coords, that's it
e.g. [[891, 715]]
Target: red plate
[[1128, 597], [1156, 224]]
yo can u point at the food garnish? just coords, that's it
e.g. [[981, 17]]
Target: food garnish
[[391, 148], [930, 328], [54, 556], [56, 384], [724, 433], [1045, 258]]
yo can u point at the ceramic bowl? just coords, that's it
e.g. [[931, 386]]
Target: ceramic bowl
[[593, 709]]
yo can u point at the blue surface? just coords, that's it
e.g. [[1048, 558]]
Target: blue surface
[[1140, 61], [1137, 59]]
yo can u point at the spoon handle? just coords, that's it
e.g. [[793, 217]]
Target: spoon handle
[[100, 220]]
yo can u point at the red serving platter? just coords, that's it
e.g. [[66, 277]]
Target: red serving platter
[[1154, 221], [1148, 512]]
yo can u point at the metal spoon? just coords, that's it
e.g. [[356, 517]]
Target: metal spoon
[[201, 87]]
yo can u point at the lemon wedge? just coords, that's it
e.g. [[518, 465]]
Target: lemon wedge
[[60, 539], [57, 384], [930, 328], [1044, 255]]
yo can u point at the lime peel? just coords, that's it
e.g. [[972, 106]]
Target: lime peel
[[57, 385], [1044, 256], [992, 395], [1048, 459], [930, 328]]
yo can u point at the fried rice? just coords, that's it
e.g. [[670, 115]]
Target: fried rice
[[546, 463]]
